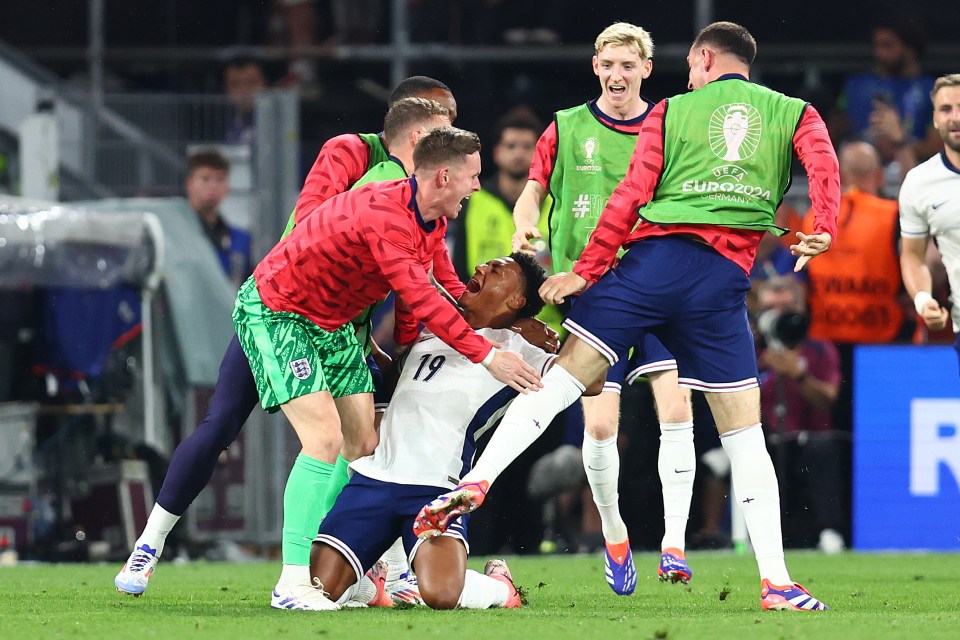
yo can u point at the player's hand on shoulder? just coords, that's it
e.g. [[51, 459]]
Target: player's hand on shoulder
[[558, 286], [809, 246], [538, 333], [509, 368], [523, 239]]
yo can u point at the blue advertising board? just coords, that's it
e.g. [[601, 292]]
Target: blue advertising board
[[906, 448]]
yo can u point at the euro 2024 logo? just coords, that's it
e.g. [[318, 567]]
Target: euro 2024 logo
[[734, 131], [589, 148]]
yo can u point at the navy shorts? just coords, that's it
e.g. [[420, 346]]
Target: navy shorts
[[381, 388], [649, 356], [687, 295], [369, 515]]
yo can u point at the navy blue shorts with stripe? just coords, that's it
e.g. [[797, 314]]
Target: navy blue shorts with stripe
[[649, 356], [381, 387], [688, 296], [369, 515]]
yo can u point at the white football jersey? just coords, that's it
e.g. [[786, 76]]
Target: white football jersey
[[442, 404], [930, 206]]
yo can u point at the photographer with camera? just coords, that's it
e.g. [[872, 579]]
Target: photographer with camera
[[799, 385]]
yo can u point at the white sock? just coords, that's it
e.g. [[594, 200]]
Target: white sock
[[482, 592], [755, 485], [292, 574], [677, 463], [362, 591], [601, 461], [396, 559], [159, 525], [527, 418]]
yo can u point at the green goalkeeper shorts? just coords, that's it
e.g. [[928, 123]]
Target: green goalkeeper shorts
[[290, 356]]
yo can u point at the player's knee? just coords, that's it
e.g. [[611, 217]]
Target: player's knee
[[360, 445], [673, 405], [602, 427], [675, 411], [439, 598]]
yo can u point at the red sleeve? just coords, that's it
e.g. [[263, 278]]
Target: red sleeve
[[819, 159], [406, 327], [543, 156], [341, 162], [391, 238], [620, 215]]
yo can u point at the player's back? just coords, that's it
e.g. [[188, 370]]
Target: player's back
[[442, 404]]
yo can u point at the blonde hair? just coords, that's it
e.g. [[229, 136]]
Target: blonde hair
[[624, 33], [951, 80]]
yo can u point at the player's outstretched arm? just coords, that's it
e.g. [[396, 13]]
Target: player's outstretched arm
[[809, 246], [538, 333], [919, 282], [819, 159], [558, 286], [526, 217], [509, 368]]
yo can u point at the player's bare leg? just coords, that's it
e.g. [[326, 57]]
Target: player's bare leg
[[357, 422], [737, 415], [330, 568], [334, 575], [446, 583]]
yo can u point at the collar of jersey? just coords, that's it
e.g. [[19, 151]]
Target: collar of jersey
[[947, 163], [429, 227], [732, 76], [393, 158], [600, 115]]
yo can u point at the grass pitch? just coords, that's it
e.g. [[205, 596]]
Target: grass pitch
[[872, 596]]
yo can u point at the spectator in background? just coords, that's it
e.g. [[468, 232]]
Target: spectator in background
[[773, 254], [855, 289], [888, 106], [856, 295], [799, 385], [243, 78], [929, 206], [294, 23], [207, 186], [487, 222]]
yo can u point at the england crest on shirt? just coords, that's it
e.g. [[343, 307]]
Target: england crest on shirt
[[301, 369]]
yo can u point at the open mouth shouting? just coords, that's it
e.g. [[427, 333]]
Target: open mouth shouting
[[617, 90], [474, 285]]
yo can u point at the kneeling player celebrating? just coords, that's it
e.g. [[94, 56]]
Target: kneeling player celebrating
[[442, 403]]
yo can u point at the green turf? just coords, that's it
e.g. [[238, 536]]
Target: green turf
[[873, 596]]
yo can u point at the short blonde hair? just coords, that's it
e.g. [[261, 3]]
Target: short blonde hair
[[624, 33], [951, 80]]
